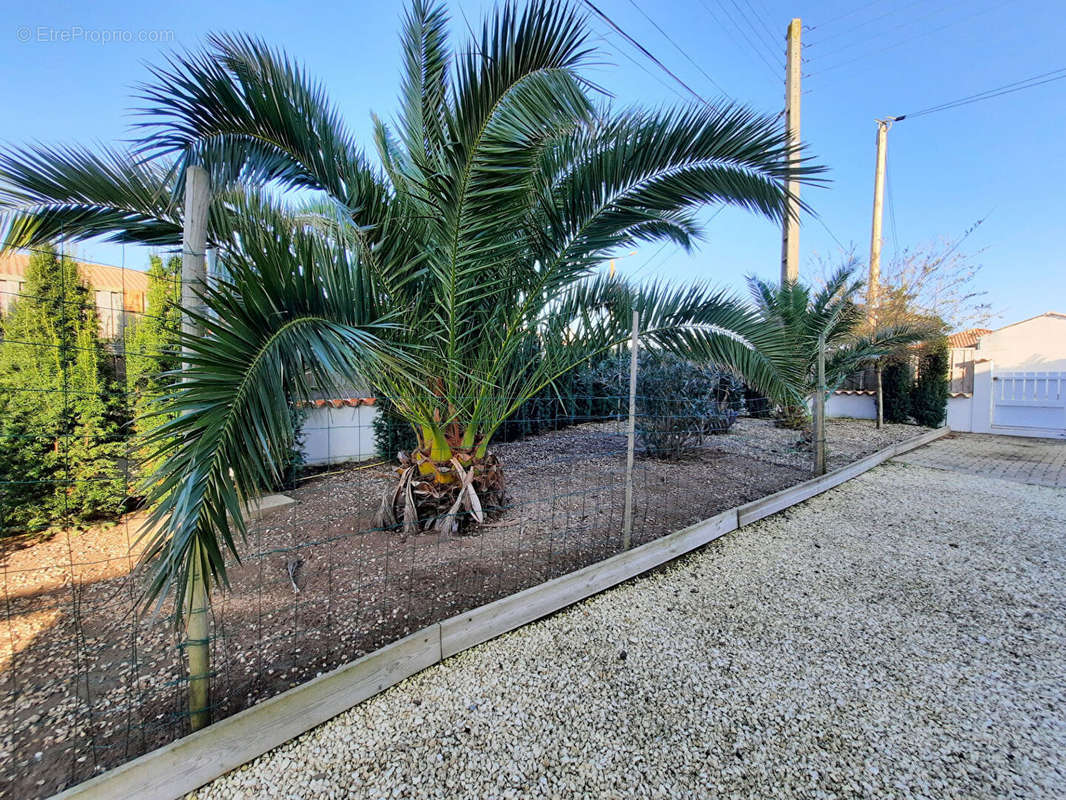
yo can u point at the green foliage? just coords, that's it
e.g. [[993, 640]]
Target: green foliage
[[292, 460], [832, 314], [806, 316], [151, 349], [679, 402], [61, 411], [580, 395], [505, 182], [392, 433], [929, 398], [897, 382]]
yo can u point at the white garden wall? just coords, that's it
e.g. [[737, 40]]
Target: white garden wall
[[335, 435], [856, 405]]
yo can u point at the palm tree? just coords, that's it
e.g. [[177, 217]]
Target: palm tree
[[806, 318], [504, 181]]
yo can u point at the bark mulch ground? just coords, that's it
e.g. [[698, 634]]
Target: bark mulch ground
[[91, 680]]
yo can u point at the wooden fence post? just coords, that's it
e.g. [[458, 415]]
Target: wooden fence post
[[818, 432], [634, 344], [193, 279]]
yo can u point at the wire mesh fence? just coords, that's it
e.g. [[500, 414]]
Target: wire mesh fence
[[91, 679]]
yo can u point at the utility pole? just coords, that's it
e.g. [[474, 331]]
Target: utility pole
[[193, 279], [875, 231], [873, 284], [790, 233]]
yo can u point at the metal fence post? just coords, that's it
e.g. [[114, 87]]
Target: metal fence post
[[193, 278], [627, 524]]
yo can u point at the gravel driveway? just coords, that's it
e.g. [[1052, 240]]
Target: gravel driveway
[[900, 636]]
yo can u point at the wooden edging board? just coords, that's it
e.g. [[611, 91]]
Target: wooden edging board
[[489, 621], [185, 765], [188, 763]]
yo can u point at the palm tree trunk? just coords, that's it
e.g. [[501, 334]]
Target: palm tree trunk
[[442, 487]]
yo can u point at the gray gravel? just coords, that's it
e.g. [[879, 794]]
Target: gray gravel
[[901, 636]]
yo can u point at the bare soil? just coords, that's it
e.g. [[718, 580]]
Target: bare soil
[[92, 681]]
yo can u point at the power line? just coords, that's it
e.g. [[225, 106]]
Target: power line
[[773, 71], [645, 51], [654, 75], [892, 213], [988, 94], [774, 54], [678, 47], [822, 222], [886, 31], [863, 24], [772, 38], [867, 57], [845, 15]]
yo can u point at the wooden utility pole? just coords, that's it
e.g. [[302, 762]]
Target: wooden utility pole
[[193, 279], [790, 232], [631, 433], [875, 231], [874, 281]]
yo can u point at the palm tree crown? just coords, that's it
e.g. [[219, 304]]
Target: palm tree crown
[[808, 318]]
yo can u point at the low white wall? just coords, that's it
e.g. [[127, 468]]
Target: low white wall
[[856, 406], [335, 435]]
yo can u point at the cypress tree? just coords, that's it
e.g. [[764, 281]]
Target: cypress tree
[[60, 411], [897, 382], [151, 348], [929, 398]]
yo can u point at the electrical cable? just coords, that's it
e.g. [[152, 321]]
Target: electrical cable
[[886, 31], [654, 75], [774, 54], [645, 51], [988, 94], [678, 47], [892, 211], [845, 15], [868, 57], [772, 38], [734, 25], [863, 24]]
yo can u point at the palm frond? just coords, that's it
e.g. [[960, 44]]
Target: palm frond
[[51, 193], [292, 315]]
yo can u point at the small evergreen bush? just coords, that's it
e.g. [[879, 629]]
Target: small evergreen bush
[[929, 398], [679, 403]]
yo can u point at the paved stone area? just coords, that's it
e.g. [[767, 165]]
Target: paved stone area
[[896, 638], [1012, 458]]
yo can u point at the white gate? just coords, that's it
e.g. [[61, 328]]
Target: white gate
[[1029, 403]]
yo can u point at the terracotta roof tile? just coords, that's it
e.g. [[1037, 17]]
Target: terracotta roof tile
[[967, 338], [342, 402]]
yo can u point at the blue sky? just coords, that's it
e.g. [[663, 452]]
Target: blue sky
[[1001, 160]]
